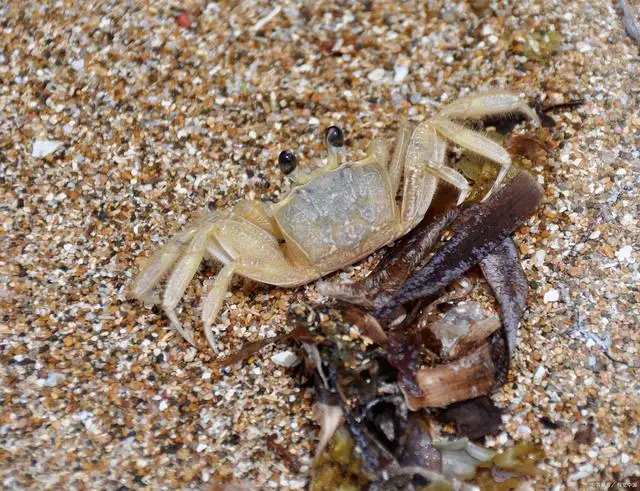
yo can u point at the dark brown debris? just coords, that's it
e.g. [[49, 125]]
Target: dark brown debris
[[479, 229], [586, 435], [473, 418]]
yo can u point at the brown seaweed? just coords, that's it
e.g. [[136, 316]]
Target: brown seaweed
[[250, 349], [504, 274], [394, 446], [479, 229], [403, 353], [527, 146]]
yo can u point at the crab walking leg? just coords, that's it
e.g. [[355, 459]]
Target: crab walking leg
[[399, 156], [477, 143], [489, 103], [214, 299], [335, 155], [454, 178], [472, 140], [159, 264], [424, 151], [180, 277]]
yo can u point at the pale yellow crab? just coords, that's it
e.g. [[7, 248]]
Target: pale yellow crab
[[332, 217]]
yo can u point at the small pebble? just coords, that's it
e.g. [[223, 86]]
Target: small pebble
[[524, 430], [77, 65], [184, 20], [376, 75]]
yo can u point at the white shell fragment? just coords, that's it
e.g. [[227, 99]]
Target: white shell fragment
[[400, 72], [42, 148], [552, 295], [624, 253], [285, 359]]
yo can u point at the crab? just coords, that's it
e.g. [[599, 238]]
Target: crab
[[332, 217]]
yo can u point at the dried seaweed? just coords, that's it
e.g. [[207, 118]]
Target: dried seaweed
[[382, 445], [418, 448], [527, 146], [504, 274], [470, 376], [479, 229], [339, 467], [404, 355]]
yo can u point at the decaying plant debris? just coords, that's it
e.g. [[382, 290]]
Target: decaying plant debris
[[386, 363]]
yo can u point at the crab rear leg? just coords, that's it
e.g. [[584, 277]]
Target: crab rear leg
[[159, 264], [214, 299], [181, 276]]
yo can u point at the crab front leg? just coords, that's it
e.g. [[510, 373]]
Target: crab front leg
[[424, 164], [489, 103], [259, 214], [248, 250]]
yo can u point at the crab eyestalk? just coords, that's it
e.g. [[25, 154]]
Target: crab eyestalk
[[334, 139]]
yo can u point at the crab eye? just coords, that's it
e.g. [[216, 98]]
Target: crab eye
[[287, 162], [334, 136]]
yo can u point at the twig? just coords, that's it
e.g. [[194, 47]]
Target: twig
[[603, 344], [266, 19]]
